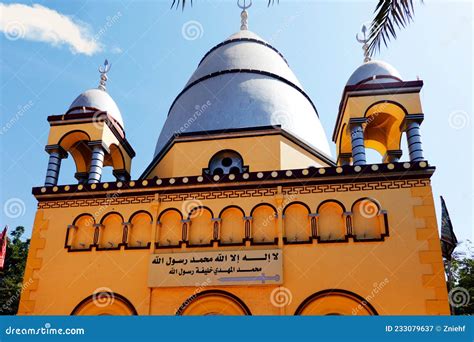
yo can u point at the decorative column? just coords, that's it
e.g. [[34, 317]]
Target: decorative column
[[314, 225], [344, 159], [357, 140], [81, 177], [56, 153], [392, 156], [411, 125], [97, 163], [216, 228]]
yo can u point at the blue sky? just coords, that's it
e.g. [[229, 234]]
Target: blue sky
[[152, 60]]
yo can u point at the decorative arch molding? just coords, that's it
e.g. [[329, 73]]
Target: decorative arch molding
[[111, 236], [170, 231], [297, 223], [261, 205], [384, 119], [398, 104], [66, 144], [335, 302], [232, 207], [119, 305], [141, 212], [263, 227], [200, 207], [213, 302], [137, 230], [235, 166], [106, 215], [294, 203], [164, 212], [81, 236], [83, 215], [333, 224], [369, 222], [75, 143], [330, 201], [198, 230], [232, 225]]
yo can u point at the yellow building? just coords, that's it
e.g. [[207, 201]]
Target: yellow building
[[243, 210]]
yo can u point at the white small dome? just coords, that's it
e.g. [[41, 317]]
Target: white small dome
[[96, 99], [373, 72]]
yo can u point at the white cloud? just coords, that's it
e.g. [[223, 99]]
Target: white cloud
[[42, 24]]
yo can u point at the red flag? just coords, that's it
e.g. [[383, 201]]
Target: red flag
[[3, 247]]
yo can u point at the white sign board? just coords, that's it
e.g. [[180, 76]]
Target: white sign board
[[244, 267]]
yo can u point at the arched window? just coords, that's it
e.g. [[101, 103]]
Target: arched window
[[296, 223], [82, 235], [366, 220], [139, 232], [111, 232], [264, 224], [331, 222], [170, 228], [110, 304], [201, 226], [232, 226], [226, 162], [213, 302], [335, 302]]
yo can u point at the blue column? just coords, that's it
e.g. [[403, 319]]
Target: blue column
[[56, 154], [414, 141], [97, 164], [411, 125], [357, 141]]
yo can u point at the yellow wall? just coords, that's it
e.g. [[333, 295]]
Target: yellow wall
[[408, 262], [261, 153]]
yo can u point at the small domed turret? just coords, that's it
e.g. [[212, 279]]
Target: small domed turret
[[374, 72]]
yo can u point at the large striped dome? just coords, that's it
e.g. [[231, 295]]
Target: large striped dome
[[244, 83]]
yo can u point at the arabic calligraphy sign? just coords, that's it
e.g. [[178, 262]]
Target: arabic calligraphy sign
[[246, 267]]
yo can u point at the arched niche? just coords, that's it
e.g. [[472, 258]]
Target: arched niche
[[81, 234], [382, 131], [296, 223], [331, 222], [226, 162], [104, 304], [368, 220], [264, 224], [111, 232], [213, 302], [76, 144], [139, 232], [200, 230], [232, 226], [170, 230], [335, 302]]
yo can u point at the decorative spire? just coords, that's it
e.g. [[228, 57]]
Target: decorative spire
[[244, 15], [364, 41], [103, 75]]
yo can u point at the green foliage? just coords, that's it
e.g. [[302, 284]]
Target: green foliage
[[462, 268], [11, 277], [390, 14]]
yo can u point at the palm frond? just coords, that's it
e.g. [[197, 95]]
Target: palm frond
[[177, 3], [390, 15]]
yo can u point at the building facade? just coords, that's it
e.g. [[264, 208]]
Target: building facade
[[243, 210]]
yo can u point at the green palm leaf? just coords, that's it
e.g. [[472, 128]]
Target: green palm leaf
[[390, 14]]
